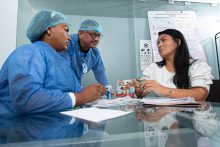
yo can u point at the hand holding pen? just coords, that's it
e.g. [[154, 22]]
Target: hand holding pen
[[145, 86], [139, 87]]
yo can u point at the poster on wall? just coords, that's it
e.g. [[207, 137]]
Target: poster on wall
[[145, 53], [185, 22]]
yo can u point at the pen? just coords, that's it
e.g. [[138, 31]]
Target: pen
[[143, 114], [141, 80]]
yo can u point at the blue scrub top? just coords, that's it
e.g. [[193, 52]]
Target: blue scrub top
[[42, 127], [35, 78], [93, 60]]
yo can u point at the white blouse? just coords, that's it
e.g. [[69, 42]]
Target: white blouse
[[199, 73]]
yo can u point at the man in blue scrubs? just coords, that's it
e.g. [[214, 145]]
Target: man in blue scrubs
[[83, 52]]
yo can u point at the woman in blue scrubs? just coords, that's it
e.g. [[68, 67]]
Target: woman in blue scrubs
[[35, 78]]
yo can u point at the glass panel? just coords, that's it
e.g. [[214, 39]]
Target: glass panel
[[117, 46], [28, 8], [145, 126], [124, 24], [208, 23]]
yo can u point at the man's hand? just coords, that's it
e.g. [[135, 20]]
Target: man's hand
[[90, 93]]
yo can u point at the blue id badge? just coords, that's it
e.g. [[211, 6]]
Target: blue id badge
[[84, 68], [85, 128]]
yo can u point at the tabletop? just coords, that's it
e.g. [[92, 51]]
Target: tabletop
[[144, 127]]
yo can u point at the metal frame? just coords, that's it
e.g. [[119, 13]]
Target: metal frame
[[217, 51], [196, 1], [200, 1]]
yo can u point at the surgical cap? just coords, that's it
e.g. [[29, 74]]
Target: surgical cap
[[90, 25], [42, 21]]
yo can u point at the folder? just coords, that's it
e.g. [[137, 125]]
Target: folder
[[178, 102]]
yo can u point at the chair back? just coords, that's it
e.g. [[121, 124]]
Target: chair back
[[214, 93]]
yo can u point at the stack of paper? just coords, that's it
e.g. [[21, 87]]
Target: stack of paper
[[170, 101], [95, 114], [118, 101]]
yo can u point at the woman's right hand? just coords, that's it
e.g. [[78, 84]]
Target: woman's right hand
[[139, 90], [90, 93], [137, 86], [143, 114], [156, 115]]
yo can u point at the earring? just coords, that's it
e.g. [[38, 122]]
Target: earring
[[49, 35]]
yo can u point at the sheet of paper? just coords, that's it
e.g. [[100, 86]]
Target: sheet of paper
[[118, 101], [185, 22], [95, 114]]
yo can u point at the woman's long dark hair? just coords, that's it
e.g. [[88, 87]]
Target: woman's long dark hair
[[181, 59]]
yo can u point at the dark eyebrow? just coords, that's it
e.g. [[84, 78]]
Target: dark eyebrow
[[161, 39], [66, 26], [95, 33]]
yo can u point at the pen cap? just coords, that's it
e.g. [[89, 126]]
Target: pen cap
[[140, 79]]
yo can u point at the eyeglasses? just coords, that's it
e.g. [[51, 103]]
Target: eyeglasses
[[94, 35]]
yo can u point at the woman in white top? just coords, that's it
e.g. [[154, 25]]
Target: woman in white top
[[177, 75]]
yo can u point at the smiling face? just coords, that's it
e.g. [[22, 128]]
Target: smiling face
[[60, 38], [87, 41], [166, 46]]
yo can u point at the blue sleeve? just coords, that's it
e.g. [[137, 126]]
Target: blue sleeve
[[80, 88], [99, 71], [26, 73], [40, 127]]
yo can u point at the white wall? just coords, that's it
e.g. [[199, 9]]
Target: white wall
[[8, 28]]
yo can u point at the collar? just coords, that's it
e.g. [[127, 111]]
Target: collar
[[81, 47]]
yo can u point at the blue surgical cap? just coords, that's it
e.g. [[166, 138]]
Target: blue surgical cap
[[90, 25], [42, 21]]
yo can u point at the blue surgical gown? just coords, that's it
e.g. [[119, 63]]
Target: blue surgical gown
[[93, 60], [35, 78], [35, 129]]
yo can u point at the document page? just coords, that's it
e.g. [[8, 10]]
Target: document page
[[95, 114], [115, 102]]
